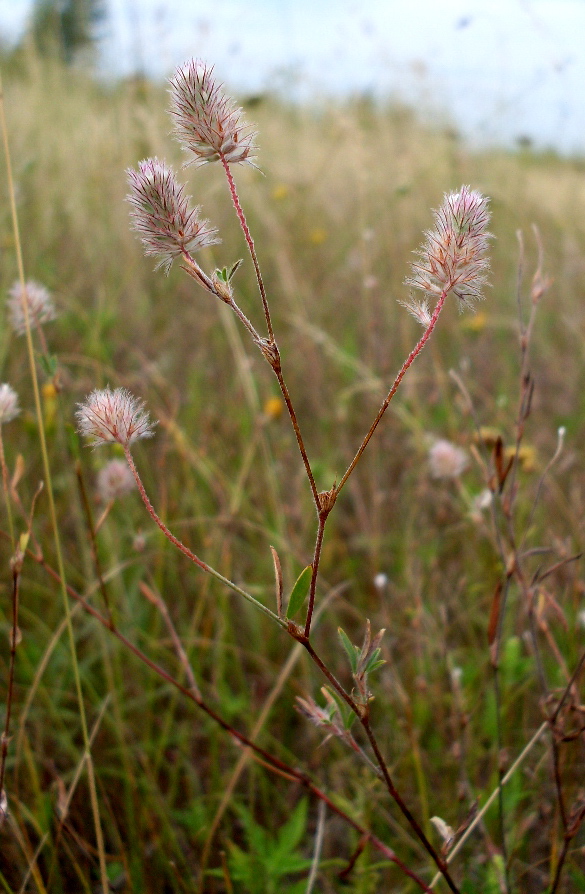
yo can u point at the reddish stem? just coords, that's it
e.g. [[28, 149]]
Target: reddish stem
[[275, 362], [271, 761], [363, 718], [414, 353], [250, 241], [315, 565]]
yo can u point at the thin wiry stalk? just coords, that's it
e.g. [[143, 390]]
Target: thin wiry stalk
[[560, 864], [14, 634], [407, 363], [274, 353], [315, 565], [482, 812], [93, 541], [318, 848], [363, 718], [250, 244], [545, 692], [6, 493], [187, 552], [500, 746], [52, 510], [283, 675], [269, 760]]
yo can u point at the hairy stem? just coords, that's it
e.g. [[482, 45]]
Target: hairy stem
[[250, 243], [185, 549], [274, 353], [409, 360]]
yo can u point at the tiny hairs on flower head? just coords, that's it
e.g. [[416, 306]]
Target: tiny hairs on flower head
[[207, 122], [453, 258], [113, 416]]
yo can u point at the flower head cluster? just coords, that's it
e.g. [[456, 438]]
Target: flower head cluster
[[207, 122], [113, 416], [453, 257], [115, 480], [8, 403], [161, 215], [38, 302], [446, 460]]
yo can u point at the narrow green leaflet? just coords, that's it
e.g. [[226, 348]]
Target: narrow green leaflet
[[299, 591], [351, 650]]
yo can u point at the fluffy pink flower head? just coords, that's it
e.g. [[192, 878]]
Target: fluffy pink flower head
[[39, 304], [115, 480], [207, 122], [447, 460], [113, 416], [453, 258], [161, 215], [8, 404]]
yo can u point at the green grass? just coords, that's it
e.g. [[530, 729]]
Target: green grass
[[344, 199]]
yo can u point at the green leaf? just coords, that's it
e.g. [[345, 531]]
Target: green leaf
[[347, 715], [233, 269], [299, 591], [290, 835], [48, 364], [351, 650], [375, 662]]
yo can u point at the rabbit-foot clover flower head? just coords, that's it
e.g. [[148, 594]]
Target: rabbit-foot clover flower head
[[113, 416], [161, 215], [38, 302], [115, 480], [420, 310], [8, 403], [446, 460], [207, 122], [453, 257]]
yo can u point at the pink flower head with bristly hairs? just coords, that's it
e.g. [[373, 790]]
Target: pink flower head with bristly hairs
[[447, 460], [113, 416], [207, 122], [115, 480], [9, 408], [38, 302], [161, 215], [453, 257]]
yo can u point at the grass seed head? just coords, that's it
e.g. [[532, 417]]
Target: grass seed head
[[113, 416], [167, 226], [207, 122]]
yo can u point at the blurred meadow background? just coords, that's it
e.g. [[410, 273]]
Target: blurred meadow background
[[347, 183]]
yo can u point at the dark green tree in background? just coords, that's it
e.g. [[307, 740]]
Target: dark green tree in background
[[66, 28]]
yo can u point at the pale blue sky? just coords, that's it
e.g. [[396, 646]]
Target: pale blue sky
[[499, 68]]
